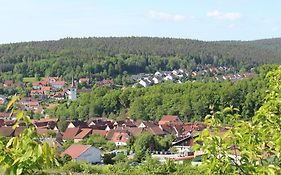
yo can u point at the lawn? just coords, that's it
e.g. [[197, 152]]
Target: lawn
[[29, 79]]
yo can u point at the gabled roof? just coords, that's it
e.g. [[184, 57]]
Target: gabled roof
[[111, 133], [168, 129], [76, 150], [120, 137], [83, 133], [102, 133], [58, 83], [170, 118], [7, 131], [70, 133], [80, 124], [156, 130], [41, 131], [135, 131], [19, 130]]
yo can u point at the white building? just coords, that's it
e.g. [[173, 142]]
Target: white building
[[72, 92]]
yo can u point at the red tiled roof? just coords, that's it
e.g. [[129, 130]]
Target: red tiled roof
[[46, 88], [169, 118], [120, 137], [76, 150], [102, 133], [70, 133], [83, 133], [58, 83]]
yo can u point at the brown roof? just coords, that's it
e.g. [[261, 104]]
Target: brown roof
[[42, 131], [80, 124], [169, 118], [102, 133], [76, 150], [155, 130], [70, 133], [135, 131], [2, 122], [149, 124], [10, 122], [7, 131], [19, 130], [168, 129], [112, 131], [83, 133]]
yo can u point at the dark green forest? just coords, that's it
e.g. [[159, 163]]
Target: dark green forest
[[191, 101], [101, 58]]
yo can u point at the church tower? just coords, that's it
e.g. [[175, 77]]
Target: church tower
[[72, 92]]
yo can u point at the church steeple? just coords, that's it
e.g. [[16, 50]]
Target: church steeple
[[72, 91]]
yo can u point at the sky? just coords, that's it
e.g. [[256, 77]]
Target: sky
[[36, 20]]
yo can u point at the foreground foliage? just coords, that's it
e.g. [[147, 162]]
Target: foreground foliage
[[24, 154], [151, 166], [249, 147]]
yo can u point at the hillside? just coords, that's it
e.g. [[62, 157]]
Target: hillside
[[94, 56]]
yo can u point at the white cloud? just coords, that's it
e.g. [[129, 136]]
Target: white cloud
[[227, 16], [165, 16]]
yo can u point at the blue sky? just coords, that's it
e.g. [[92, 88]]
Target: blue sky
[[29, 20]]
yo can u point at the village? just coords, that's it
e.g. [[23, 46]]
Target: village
[[48, 90], [118, 132]]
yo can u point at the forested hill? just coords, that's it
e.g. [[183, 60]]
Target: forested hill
[[75, 52]]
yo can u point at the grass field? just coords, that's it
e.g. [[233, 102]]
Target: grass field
[[29, 79]]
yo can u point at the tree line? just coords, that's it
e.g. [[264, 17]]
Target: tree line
[[102, 58], [191, 101]]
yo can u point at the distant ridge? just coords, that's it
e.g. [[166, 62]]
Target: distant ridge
[[238, 52]]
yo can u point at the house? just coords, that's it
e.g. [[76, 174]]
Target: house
[[102, 133], [145, 124], [7, 131], [38, 85], [84, 81], [120, 138], [57, 95], [156, 130], [158, 74], [144, 82], [157, 80], [8, 83], [135, 131], [51, 80], [170, 120], [105, 83], [86, 153], [184, 144], [169, 77], [58, 84], [77, 124], [84, 133], [70, 133]]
